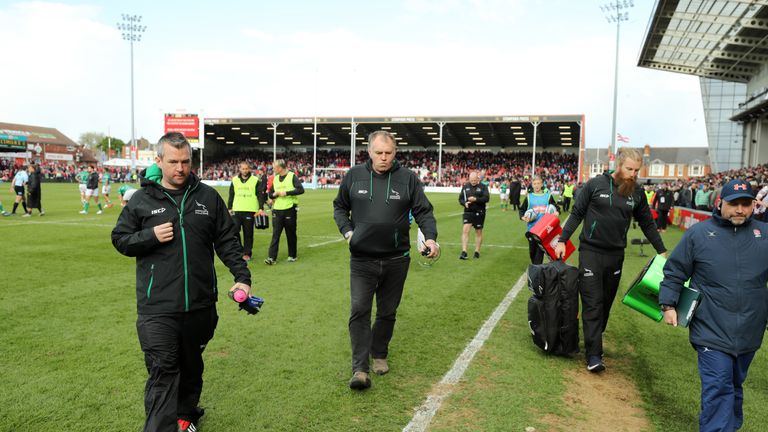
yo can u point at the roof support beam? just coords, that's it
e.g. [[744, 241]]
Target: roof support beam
[[724, 55]]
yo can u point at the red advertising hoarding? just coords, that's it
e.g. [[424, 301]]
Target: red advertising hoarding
[[685, 217], [187, 124]]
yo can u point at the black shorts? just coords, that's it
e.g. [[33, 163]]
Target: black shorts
[[19, 190], [476, 219]]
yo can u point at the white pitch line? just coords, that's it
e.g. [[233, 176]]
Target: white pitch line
[[326, 242], [424, 414]]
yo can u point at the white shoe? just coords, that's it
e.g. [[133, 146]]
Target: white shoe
[[26, 215], [83, 212], [99, 212]]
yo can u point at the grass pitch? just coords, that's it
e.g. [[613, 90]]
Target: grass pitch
[[70, 358]]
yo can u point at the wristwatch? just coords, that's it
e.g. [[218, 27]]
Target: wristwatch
[[666, 307]]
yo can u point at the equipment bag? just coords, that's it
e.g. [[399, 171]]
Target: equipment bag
[[261, 222], [553, 307]]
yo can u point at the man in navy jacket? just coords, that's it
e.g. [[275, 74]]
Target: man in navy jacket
[[724, 257]]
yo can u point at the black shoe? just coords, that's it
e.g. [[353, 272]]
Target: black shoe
[[270, 261], [463, 255], [595, 364], [477, 254]]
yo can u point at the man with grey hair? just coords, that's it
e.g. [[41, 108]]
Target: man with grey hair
[[371, 210], [172, 226], [284, 193]]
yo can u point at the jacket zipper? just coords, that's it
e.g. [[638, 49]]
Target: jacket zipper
[[180, 210], [151, 278]]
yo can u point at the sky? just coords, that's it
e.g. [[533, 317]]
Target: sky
[[66, 65]]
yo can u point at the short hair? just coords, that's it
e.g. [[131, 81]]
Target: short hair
[[625, 153], [537, 177], [246, 163], [381, 133], [175, 140], [279, 162]]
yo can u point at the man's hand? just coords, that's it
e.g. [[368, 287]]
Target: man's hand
[[560, 250], [259, 213], [164, 232], [466, 204], [348, 236], [231, 212], [670, 317], [434, 248], [472, 199], [525, 218], [242, 286], [664, 254]]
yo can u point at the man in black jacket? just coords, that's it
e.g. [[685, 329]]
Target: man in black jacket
[[34, 189], [606, 205], [473, 197], [371, 211], [662, 202], [172, 228]]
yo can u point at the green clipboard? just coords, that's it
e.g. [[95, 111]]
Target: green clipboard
[[686, 305]]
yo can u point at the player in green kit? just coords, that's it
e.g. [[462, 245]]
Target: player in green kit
[[504, 195], [106, 187], [82, 179], [126, 192]]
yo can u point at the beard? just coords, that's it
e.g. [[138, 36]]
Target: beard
[[627, 186]]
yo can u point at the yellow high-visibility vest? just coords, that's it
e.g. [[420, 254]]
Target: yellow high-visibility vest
[[288, 201]]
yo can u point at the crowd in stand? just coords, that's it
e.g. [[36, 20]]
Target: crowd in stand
[[494, 167], [701, 193]]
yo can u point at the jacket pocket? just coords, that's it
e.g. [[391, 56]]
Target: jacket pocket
[[374, 238], [592, 229]]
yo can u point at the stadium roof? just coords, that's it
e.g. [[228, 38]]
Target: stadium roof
[[561, 131], [722, 39]]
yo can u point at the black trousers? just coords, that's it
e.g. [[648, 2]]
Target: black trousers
[[535, 252], [173, 346], [244, 221], [385, 279], [661, 220], [566, 203], [283, 219], [599, 277]]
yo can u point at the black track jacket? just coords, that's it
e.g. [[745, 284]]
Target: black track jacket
[[379, 205], [606, 215], [178, 276]]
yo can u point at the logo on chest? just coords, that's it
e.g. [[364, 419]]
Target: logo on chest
[[158, 211], [200, 209], [394, 195]]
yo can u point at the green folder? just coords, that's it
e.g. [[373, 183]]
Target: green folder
[[686, 305]]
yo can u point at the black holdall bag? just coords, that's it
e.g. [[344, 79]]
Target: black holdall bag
[[261, 222], [553, 308]]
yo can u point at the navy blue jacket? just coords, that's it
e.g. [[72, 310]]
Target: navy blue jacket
[[728, 264]]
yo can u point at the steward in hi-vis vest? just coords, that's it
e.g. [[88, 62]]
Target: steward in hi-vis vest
[[284, 192], [246, 199]]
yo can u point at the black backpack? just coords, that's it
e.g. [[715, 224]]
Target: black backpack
[[553, 309]]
